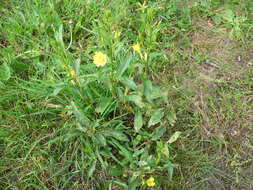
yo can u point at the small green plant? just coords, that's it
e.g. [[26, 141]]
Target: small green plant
[[235, 23], [120, 113]]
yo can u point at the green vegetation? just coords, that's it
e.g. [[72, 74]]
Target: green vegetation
[[126, 94]]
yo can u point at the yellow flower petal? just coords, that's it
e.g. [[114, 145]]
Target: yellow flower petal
[[150, 182], [137, 47], [99, 59]]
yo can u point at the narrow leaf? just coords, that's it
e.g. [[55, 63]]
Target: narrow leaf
[[76, 65], [116, 134], [124, 64], [92, 169], [138, 121], [148, 90]]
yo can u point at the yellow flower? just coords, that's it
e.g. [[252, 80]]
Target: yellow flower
[[150, 182], [72, 73], [99, 59], [137, 48]]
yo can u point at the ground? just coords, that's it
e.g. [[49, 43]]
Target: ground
[[199, 52]]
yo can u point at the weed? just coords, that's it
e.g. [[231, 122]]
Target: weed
[[125, 94]]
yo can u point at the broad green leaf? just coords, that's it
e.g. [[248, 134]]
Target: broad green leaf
[[116, 134], [162, 149], [104, 103], [128, 83], [137, 99], [148, 88], [114, 171], [138, 121], [157, 92], [172, 118], [124, 64], [120, 94], [159, 131], [170, 169], [137, 140], [156, 117], [174, 137], [133, 184], [5, 72], [80, 117], [92, 168]]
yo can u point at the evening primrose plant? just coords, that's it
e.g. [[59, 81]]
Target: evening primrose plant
[[120, 114]]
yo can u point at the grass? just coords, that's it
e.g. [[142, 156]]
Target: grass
[[177, 109]]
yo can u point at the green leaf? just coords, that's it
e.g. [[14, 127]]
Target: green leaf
[[174, 137], [116, 134], [138, 121], [5, 72], [157, 92], [170, 169], [229, 16], [104, 103], [133, 184], [156, 117], [76, 66], [58, 88], [124, 64], [172, 118], [120, 183], [120, 94], [80, 116], [128, 83], [137, 99], [159, 131], [59, 36], [2, 85], [148, 87], [101, 139], [92, 168], [114, 171], [128, 154]]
